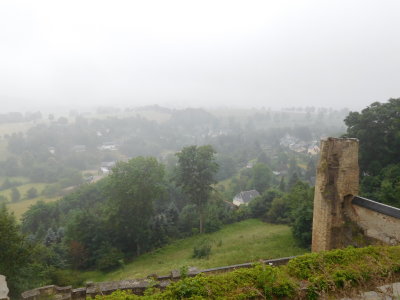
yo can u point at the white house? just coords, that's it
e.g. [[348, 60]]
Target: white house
[[244, 197]]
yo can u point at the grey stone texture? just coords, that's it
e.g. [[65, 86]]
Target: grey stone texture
[[337, 179], [337, 221], [3, 288]]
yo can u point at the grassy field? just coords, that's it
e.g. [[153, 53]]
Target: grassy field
[[18, 208], [10, 128], [4, 154], [241, 242]]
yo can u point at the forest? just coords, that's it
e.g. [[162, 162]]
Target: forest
[[174, 175]]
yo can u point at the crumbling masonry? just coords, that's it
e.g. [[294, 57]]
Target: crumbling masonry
[[341, 218]]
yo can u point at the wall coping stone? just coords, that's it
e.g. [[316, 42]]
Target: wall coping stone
[[377, 207], [138, 286]]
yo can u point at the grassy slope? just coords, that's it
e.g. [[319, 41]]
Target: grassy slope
[[245, 241]]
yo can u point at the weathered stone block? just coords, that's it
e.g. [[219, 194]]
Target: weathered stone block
[[3, 288], [337, 180]]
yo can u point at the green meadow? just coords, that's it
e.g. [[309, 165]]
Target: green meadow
[[246, 241]]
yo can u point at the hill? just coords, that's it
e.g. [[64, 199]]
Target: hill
[[241, 242]]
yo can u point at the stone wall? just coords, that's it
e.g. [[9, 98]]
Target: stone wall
[[3, 288], [337, 179], [378, 222], [341, 218], [137, 286]]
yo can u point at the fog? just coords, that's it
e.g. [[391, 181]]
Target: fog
[[198, 53]]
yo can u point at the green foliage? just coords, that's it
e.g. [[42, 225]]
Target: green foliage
[[9, 184], [241, 242], [345, 268], [108, 258], [384, 187], [310, 276], [202, 249], [31, 193], [188, 219], [51, 190], [15, 195], [227, 167], [301, 199], [377, 127], [195, 174], [183, 271], [261, 177], [260, 205], [18, 258], [15, 251], [133, 188], [62, 277], [279, 212]]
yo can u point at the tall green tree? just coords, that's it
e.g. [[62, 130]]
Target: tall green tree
[[14, 250], [261, 177], [378, 129], [134, 187], [195, 174]]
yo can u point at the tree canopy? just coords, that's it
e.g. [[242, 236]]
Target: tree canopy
[[378, 129], [134, 186], [195, 174]]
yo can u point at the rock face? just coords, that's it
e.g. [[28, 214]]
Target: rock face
[[336, 184], [3, 288]]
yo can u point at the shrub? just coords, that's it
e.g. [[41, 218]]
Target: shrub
[[65, 277], [31, 193], [108, 258], [202, 249]]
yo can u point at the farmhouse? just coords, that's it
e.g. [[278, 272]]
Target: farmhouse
[[108, 146], [244, 197]]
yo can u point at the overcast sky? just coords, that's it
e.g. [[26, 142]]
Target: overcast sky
[[271, 53]]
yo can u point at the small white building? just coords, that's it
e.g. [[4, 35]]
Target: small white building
[[244, 197], [313, 150], [106, 167], [109, 146]]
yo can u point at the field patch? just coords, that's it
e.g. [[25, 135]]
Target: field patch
[[20, 207]]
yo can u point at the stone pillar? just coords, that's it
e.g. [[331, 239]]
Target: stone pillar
[[336, 182], [3, 288]]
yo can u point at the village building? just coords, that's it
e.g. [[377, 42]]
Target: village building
[[111, 146], [106, 167], [244, 197]]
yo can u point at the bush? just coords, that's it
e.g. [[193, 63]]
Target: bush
[[31, 193], [202, 249], [65, 277], [15, 195], [108, 258], [51, 190], [279, 212]]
